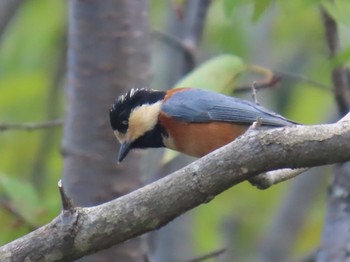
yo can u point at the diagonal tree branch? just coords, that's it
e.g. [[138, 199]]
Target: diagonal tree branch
[[86, 230], [8, 9]]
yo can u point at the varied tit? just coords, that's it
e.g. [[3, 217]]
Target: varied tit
[[191, 121]]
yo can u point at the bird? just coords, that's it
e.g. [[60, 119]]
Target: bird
[[192, 121]]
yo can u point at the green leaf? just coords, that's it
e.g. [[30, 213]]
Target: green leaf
[[230, 6], [260, 7], [339, 10], [218, 74], [23, 198], [342, 58]]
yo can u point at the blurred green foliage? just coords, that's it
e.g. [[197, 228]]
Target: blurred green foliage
[[29, 51], [278, 35], [218, 73]]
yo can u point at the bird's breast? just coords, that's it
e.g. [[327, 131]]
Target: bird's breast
[[199, 139]]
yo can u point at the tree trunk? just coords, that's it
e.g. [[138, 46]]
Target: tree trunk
[[173, 242], [108, 54]]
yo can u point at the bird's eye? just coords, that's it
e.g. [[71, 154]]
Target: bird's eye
[[125, 122]]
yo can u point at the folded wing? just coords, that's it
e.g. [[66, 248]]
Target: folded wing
[[201, 106]]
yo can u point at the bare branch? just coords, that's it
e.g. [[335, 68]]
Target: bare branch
[[278, 77], [212, 254], [8, 9], [7, 205], [300, 78], [339, 76], [67, 203], [87, 230], [264, 181], [174, 42], [30, 126], [254, 94]]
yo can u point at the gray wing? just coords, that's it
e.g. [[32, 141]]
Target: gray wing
[[201, 106]]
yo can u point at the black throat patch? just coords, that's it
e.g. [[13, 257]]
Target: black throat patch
[[151, 139]]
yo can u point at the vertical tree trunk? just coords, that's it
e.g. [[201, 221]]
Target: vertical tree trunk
[[335, 244], [108, 54], [173, 242]]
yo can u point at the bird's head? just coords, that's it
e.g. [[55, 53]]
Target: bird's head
[[133, 118]]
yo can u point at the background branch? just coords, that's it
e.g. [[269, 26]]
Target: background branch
[[30, 126], [212, 254], [8, 9], [87, 230], [339, 75], [175, 56], [7, 205]]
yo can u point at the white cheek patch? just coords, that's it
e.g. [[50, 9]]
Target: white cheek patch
[[142, 119]]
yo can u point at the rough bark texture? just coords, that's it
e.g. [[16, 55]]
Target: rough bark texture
[[108, 54], [341, 85], [336, 238], [173, 242], [335, 244], [87, 230], [278, 243]]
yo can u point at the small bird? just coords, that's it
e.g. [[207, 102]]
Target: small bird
[[192, 121]]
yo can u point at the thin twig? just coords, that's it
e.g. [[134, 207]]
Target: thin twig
[[7, 205], [254, 94], [341, 85], [301, 78], [212, 254], [30, 126], [265, 180], [8, 9], [67, 203], [174, 42], [279, 77]]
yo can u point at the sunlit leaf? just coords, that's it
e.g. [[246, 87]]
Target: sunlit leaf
[[342, 58], [216, 74], [230, 6], [22, 197], [339, 10]]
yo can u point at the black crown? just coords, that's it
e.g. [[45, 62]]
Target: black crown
[[124, 104]]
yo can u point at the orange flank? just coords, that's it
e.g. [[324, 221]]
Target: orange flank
[[199, 139]]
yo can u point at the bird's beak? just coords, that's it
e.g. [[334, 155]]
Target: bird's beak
[[123, 151]]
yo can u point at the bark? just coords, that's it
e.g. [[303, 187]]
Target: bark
[[80, 231], [8, 9], [341, 87], [108, 54], [173, 242], [335, 244], [278, 244]]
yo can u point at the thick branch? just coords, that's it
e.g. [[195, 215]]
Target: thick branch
[[86, 230]]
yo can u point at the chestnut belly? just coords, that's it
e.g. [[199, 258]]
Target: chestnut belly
[[199, 139]]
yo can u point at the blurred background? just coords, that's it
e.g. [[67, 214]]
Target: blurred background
[[279, 44]]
